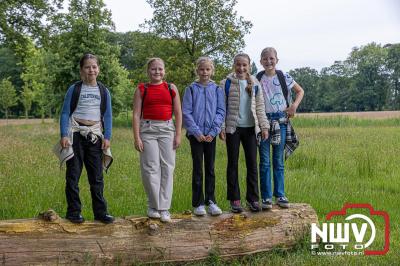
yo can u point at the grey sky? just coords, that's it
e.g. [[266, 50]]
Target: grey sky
[[311, 33]]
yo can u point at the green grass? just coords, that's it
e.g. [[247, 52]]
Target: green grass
[[339, 160]]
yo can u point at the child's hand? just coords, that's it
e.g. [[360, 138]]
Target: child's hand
[[209, 138], [177, 142], [201, 138], [222, 135], [139, 144], [264, 134], [105, 144], [291, 110], [64, 142]]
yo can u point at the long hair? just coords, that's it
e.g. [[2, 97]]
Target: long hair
[[249, 87]]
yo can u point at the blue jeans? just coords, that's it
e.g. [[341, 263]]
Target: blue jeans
[[277, 162]]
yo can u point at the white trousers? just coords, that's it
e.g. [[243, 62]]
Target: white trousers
[[158, 162]]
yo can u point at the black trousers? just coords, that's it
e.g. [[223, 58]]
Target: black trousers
[[85, 152], [200, 150], [247, 136]]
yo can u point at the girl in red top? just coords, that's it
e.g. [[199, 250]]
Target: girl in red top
[[156, 137]]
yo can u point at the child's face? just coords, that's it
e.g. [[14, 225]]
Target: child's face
[[205, 71], [269, 61], [156, 71], [90, 71], [241, 66]]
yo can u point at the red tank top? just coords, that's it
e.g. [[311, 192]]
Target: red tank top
[[157, 104]]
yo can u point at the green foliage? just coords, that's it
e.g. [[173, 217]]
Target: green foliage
[[84, 29], [368, 80], [202, 27], [38, 80], [21, 20], [8, 95], [9, 67]]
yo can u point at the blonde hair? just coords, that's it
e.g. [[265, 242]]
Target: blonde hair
[[203, 60], [150, 61], [269, 50], [249, 87]]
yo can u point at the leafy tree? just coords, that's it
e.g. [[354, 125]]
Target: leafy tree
[[9, 66], [308, 79], [24, 19], [27, 100], [38, 80], [370, 76], [393, 66], [254, 69], [84, 29], [8, 95], [202, 27]]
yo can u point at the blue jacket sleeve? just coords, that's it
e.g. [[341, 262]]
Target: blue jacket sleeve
[[187, 114], [108, 117], [220, 115], [64, 117]]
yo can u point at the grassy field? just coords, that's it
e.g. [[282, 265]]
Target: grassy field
[[339, 160]]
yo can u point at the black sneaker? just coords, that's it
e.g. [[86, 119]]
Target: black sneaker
[[235, 206], [282, 202], [105, 219], [254, 206], [266, 204], [76, 219]]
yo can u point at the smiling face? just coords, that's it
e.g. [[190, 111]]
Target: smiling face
[[156, 71], [89, 71], [268, 61], [241, 66]]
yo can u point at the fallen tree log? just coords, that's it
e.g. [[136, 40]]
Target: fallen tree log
[[138, 239]]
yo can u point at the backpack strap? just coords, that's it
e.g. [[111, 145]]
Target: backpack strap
[[259, 75], [282, 81], [144, 96], [170, 93], [77, 92], [103, 96], [227, 87], [75, 97]]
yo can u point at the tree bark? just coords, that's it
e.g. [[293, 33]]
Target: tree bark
[[130, 240]]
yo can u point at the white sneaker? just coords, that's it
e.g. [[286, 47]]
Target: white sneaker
[[213, 209], [165, 216], [200, 211], [153, 213]]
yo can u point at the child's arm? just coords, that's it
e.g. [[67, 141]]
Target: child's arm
[[64, 118], [291, 110], [220, 115], [260, 112], [178, 118], [137, 105], [187, 111], [222, 133]]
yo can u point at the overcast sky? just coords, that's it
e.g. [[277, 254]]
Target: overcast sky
[[311, 33]]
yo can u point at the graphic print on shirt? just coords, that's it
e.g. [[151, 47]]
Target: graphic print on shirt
[[277, 99], [273, 96]]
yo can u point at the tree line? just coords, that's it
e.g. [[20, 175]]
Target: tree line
[[40, 46]]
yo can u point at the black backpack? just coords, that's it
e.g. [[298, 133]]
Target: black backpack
[[77, 92], [282, 82]]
